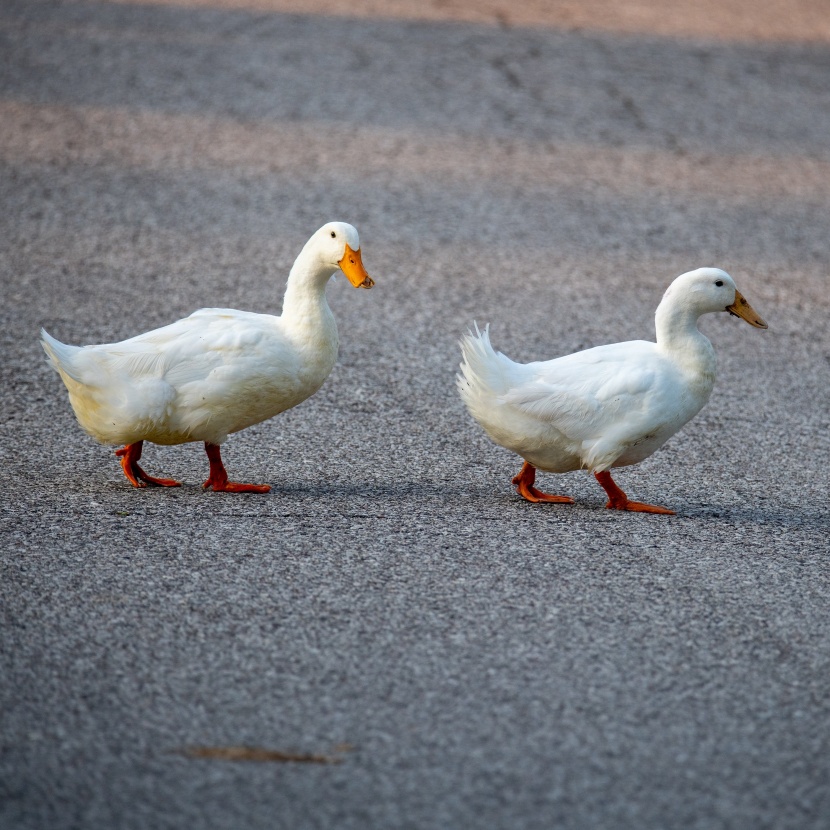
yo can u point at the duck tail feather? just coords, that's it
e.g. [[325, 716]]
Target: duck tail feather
[[483, 370], [61, 356]]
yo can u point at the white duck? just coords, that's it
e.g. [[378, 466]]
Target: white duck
[[605, 407], [215, 372]]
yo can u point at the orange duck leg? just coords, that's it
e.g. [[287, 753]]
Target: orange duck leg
[[129, 456], [218, 477], [617, 500], [524, 487]]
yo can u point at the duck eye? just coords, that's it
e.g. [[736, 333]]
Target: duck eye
[[333, 235], [719, 283]]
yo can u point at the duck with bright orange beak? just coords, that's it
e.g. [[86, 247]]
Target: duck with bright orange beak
[[215, 372]]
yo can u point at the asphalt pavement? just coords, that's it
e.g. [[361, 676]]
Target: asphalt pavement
[[459, 658]]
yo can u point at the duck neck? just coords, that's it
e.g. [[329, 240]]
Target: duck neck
[[680, 339], [304, 306]]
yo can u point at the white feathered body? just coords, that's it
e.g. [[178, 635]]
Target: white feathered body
[[202, 378], [605, 407], [215, 372]]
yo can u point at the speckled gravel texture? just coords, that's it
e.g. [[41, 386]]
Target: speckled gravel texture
[[490, 663]]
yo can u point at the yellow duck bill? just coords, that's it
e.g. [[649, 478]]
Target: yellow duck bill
[[741, 308]]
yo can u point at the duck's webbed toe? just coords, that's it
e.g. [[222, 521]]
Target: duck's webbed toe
[[524, 487]]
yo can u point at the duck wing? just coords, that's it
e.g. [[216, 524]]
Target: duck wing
[[182, 352], [603, 399]]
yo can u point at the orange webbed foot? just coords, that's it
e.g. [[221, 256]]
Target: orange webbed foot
[[617, 499], [129, 456], [641, 507], [218, 478], [524, 487], [235, 487]]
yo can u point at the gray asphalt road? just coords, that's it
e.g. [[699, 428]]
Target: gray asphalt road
[[490, 663]]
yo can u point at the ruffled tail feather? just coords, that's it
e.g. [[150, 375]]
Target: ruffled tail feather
[[484, 376]]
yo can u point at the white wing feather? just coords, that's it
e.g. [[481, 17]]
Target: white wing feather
[[580, 394]]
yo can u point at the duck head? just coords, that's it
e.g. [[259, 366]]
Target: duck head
[[338, 246], [710, 289]]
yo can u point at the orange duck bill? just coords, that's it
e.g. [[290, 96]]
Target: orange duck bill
[[352, 266]]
